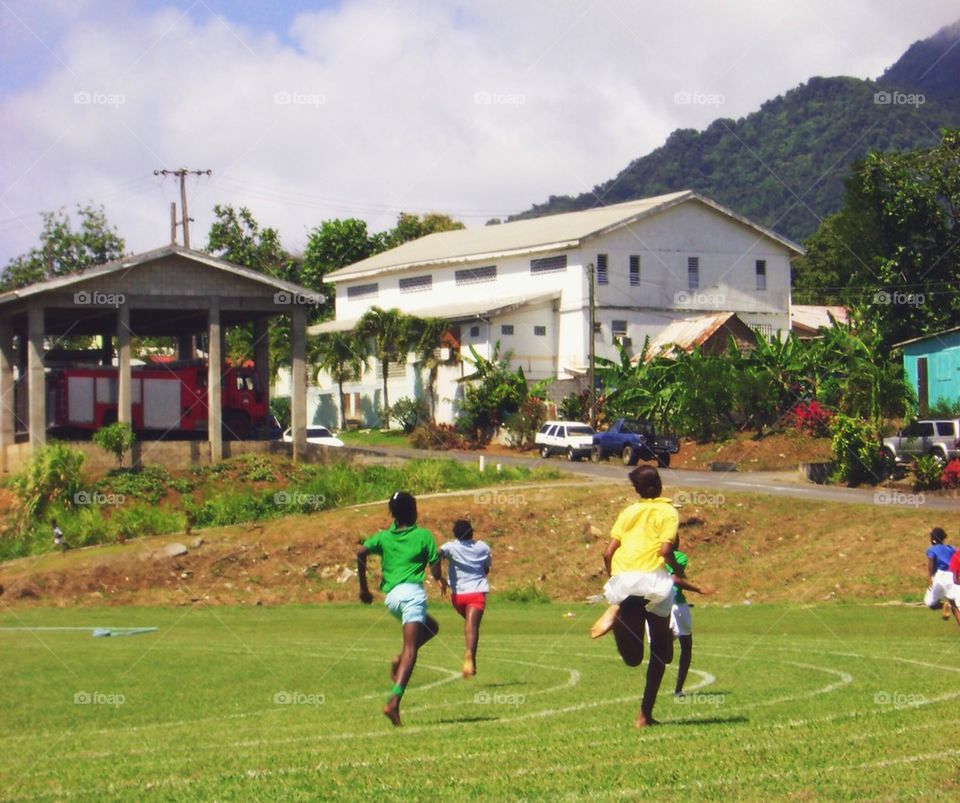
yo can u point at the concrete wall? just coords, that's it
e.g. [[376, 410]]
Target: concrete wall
[[178, 454]]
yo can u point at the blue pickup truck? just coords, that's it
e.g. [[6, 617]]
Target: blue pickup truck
[[632, 441]]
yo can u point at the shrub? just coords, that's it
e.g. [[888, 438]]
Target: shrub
[[856, 451], [575, 407], [51, 479], [927, 471], [150, 484], [116, 438], [410, 413], [951, 475], [944, 409], [440, 436], [522, 426], [527, 593], [812, 418], [280, 409]]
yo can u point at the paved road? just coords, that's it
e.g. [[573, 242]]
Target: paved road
[[775, 483]]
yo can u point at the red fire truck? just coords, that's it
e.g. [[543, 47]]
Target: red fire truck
[[168, 397]]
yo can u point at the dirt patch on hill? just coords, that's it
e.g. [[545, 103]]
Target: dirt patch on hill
[[751, 548]]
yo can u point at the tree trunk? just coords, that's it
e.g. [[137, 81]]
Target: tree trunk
[[343, 418], [386, 399]]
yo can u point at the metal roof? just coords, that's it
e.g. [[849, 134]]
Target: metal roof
[[133, 260], [450, 312], [688, 333], [549, 233], [926, 337], [813, 317]]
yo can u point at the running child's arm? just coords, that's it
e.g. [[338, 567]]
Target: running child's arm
[[365, 596], [612, 547], [931, 567], [686, 585], [438, 576]]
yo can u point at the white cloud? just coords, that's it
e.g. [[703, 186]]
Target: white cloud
[[475, 109]]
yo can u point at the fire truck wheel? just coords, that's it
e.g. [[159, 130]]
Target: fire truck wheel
[[236, 427]]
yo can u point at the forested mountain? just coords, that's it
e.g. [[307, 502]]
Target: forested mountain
[[785, 164]]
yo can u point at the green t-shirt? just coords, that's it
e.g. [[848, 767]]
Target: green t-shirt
[[404, 554], [681, 559]]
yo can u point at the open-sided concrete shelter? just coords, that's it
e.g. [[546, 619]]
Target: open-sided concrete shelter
[[172, 292]]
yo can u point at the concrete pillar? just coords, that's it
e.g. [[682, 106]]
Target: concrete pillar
[[186, 349], [261, 354], [36, 378], [214, 396], [6, 391], [124, 382], [298, 371]]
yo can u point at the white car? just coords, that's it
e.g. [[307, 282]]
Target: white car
[[572, 438], [319, 435]]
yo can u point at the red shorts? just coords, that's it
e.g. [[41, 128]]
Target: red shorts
[[463, 601]]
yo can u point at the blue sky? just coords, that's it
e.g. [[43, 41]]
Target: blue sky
[[365, 108]]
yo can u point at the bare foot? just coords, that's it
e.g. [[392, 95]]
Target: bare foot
[[392, 712], [394, 666], [469, 667], [643, 721], [945, 613], [604, 624]]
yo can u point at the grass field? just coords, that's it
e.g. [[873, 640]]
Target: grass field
[[835, 700]]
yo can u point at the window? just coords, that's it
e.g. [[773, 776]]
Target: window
[[693, 273], [634, 270], [764, 329], [474, 331], [549, 264], [602, 276], [363, 290], [395, 370], [416, 284], [945, 428], [619, 331], [540, 331], [506, 329], [761, 274], [476, 275], [597, 327]]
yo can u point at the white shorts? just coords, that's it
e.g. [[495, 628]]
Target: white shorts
[[942, 588], [655, 587], [680, 622]]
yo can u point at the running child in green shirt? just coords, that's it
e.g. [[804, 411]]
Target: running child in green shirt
[[405, 551]]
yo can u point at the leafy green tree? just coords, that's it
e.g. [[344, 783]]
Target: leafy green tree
[[64, 250], [343, 356], [412, 227], [116, 438], [390, 333], [333, 245], [495, 392], [236, 236]]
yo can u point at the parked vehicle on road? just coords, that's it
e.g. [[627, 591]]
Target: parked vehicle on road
[[632, 441], [937, 437], [318, 435], [572, 438]]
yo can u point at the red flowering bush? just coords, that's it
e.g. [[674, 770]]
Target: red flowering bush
[[812, 418], [951, 475]]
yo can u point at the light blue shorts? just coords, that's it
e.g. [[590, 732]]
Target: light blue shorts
[[408, 602]]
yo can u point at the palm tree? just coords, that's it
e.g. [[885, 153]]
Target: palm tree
[[343, 356], [390, 332], [427, 333]]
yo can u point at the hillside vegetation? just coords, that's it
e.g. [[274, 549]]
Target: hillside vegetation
[[784, 165]]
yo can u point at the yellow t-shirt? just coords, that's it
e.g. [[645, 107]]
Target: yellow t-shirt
[[642, 528]]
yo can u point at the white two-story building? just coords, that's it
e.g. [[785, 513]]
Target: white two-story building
[[525, 285]]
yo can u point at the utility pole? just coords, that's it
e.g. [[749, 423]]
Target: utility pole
[[173, 223], [593, 348], [182, 174]]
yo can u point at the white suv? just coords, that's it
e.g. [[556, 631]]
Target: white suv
[[572, 438], [925, 437]]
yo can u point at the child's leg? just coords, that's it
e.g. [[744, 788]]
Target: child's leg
[[604, 624], [683, 665], [661, 654], [471, 633], [415, 635]]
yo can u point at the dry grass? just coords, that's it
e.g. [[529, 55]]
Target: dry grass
[[750, 547]]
